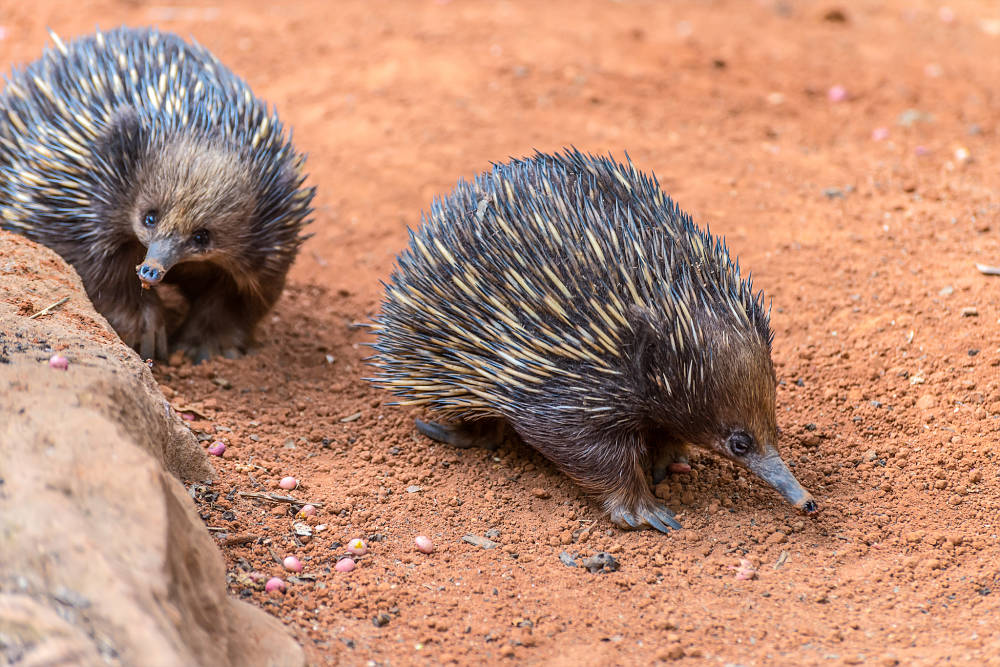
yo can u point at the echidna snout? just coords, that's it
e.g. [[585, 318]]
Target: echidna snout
[[569, 298]]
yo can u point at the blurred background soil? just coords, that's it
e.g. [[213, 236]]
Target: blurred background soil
[[848, 152]]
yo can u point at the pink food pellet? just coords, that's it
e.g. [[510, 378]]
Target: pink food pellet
[[344, 565], [58, 362], [292, 564], [274, 584], [836, 93], [218, 448], [424, 544], [357, 547], [288, 483], [307, 510]]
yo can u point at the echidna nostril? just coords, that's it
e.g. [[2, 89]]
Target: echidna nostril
[[150, 274]]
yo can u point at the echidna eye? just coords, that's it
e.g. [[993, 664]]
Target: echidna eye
[[200, 238], [740, 443], [150, 218]]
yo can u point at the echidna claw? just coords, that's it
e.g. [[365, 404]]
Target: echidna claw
[[656, 516], [153, 344]]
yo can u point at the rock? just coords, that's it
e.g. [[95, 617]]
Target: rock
[[479, 541], [926, 402], [568, 559], [600, 562], [89, 459]]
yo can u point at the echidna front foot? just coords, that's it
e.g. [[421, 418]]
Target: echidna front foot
[[142, 326], [219, 322], [482, 433], [647, 514]]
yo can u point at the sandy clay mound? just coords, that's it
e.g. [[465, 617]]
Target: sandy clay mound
[[848, 152]]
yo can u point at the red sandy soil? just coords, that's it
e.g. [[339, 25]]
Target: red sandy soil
[[889, 395]]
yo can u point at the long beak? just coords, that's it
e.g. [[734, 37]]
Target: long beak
[[161, 255], [773, 470]]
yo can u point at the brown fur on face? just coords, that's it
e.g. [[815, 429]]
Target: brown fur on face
[[742, 397], [194, 186]]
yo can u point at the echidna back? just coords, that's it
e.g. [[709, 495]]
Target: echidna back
[[532, 277]]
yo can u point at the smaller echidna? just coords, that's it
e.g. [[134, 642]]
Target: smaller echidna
[[144, 161], [567, 297]]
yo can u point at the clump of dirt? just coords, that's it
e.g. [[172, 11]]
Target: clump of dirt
[[849, 162]]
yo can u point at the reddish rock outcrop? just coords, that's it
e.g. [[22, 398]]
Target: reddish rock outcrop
[[102, 556]]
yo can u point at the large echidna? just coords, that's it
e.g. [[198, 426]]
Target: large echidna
[[568, 297], [133, 152]]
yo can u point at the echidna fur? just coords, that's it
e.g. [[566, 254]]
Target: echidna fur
[[569, 296], [77, 124]]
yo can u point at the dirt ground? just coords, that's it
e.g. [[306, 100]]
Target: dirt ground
[[847, 151]]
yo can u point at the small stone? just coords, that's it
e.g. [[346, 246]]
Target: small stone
[[414, 489], [745, 571], [926, 402], [600, 562], [539, 492], [568, 559], [836, 94], [479, 541], [970, 311]]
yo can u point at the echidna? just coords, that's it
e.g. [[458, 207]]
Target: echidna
[[567, 297], [133, 152]]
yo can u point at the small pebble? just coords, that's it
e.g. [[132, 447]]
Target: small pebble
[[218, 448], [288, 483], [357, 547], [307, 510], [836, 93], [274, 584], [479, 541], [424, 544], [745, 571], [880, 134], [58, 362], [292, 564], [344, 565]]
